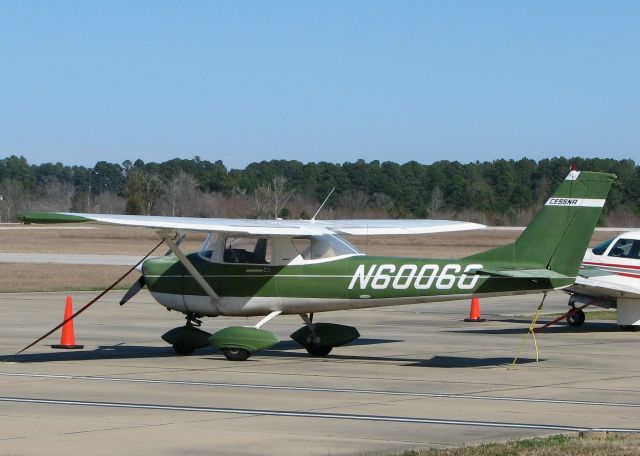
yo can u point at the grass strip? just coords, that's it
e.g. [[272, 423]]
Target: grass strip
[[584, 444], [23, 277]]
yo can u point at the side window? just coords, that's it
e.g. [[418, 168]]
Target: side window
[[634, 252], [302, 246], [622, 248], [247, 251]]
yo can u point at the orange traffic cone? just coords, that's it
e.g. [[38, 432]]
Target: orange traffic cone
[[474, 314], [68, 339]]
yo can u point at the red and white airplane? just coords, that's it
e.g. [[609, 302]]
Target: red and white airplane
[[610, 277]]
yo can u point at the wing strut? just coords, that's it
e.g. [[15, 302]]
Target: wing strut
[[190, 267]]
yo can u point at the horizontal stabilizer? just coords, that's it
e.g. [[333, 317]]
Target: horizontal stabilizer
[[530, 274]]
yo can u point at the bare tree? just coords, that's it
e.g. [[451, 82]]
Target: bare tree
[[358, 203], [354, 200], [236, 205], [182, 196], [53, 195], [269, 200], [13, 197], [304, 206], [144, 189], [437, 201], [109, 203]]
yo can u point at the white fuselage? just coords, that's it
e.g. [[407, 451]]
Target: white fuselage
[[611, 277]]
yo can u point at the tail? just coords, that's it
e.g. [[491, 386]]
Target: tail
[[558, 236]]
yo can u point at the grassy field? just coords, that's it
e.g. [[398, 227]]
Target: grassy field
[[83, 239], [589, 444], [20, 277]]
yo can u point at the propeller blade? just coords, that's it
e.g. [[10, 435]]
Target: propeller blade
[[135, 288]]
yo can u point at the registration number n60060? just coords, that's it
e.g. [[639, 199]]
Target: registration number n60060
[[420, 277]]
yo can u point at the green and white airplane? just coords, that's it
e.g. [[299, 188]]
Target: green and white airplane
[[282, 267]]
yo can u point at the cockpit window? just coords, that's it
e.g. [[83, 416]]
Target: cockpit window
[[247, 250], [626, 248], [210, 246], [325, 246], [602, 247]]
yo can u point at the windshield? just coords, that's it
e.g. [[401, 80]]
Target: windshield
[[601, 248]]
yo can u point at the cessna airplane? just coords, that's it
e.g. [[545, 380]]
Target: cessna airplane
[[610, 277], [282, 267]]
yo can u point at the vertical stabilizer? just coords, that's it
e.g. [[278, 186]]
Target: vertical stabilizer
[[559, 234]]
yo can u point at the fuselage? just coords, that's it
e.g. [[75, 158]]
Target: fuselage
[[345, 282], [619, 255], [611, 271]]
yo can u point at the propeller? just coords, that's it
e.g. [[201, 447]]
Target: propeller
[[141, 283], [135, 288]]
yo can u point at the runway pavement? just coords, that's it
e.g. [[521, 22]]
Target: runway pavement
[[68, 258], [418, 377]]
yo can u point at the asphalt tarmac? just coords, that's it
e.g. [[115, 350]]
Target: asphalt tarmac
[[418, 377]]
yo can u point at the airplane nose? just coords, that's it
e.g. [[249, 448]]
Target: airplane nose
[[157, 265], [163, 273]]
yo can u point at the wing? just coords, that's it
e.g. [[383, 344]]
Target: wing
[[606, 286], [258, 227], [405, 226]]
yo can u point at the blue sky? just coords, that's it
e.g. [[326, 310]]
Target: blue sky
[[83, 81]]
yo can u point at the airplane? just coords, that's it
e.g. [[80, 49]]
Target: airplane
[[268, 268], [609, 277]]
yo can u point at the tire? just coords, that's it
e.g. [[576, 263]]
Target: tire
[[319, 350], [576, 318], [182, 349], [236, 354]]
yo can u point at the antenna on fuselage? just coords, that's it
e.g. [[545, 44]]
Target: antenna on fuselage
[[322, 205]]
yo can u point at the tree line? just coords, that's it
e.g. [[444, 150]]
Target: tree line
[[499, 192]]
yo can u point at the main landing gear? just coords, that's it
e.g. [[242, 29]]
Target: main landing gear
[[320, 338], [575, 317], [236, 354], [238, 343]]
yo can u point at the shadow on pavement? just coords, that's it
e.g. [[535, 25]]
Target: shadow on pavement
[[283, 350], [291, 345], [342, 354], [463, 361], [588, 327], [102, 352]]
